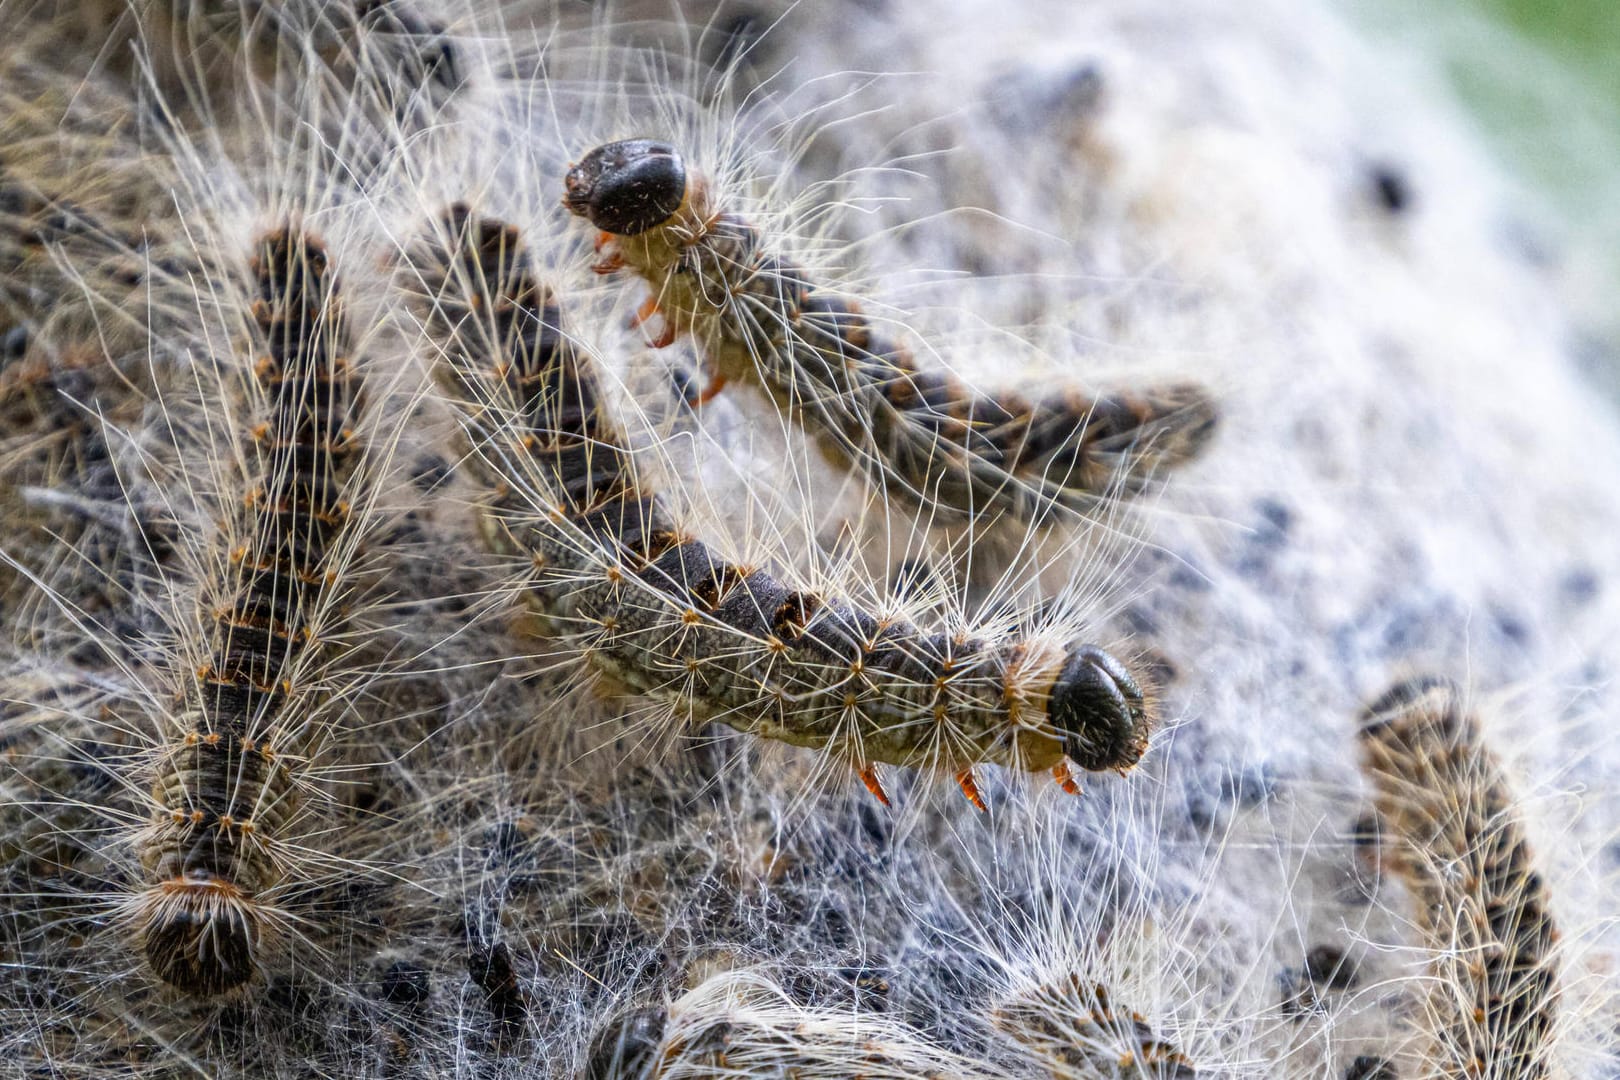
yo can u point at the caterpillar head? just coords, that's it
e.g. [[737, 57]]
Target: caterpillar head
[[1101, 711], [200, 934], [627, 187], [630, 1045]]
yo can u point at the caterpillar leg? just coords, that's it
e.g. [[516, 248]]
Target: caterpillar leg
[[646, 313], [611, 262], [869, 777], [1065, 779], [970, 788], [717, 383]]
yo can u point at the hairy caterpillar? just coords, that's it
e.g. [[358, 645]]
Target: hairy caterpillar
[[929, 438], [603, 874], [1481, 904], [1079, 1031], [664, 616], [384, 62], [740, 1024], [227, 790]]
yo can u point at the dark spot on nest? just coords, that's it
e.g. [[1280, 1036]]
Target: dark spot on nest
[[507, 845], [1365, 833], [1367, 1067], [913, 576], [1305, 989], [1251, 785], [1276, 521], [1391, 188], [1510, 624], [404, 984], [738, 39], [1189, 578], [14, 344], [1580, 586], [429, 472], [834, 925], [1328, 968]]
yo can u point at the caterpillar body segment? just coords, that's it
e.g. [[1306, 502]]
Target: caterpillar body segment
[[227, 791], [1482, 906], [663, 615], [928, 437], [743, 1023], [505, 326], [1076, 1028]]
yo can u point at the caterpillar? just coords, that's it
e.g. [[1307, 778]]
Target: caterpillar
[[1077, 1029], [227, 791], [386, 59], [504, 894], [1481, 904], [663, 615], [740, 1023], [927, 437]]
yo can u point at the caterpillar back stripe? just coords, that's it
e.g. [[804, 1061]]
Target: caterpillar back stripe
[[663, 615], [486, 301], [924, 435], [227, 791]]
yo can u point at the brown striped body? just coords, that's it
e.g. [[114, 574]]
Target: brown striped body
[[662, 615], [1481, 904], [923, 436], [227, 788]]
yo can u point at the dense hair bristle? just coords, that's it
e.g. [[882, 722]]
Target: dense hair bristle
[[1480, 903], [658, 612], [1079, 1031], [924, 437], [740, 1024], [406, 671]]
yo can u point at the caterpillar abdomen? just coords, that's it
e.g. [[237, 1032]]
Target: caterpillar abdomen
[[226, 792], [527, 403], [1481, 905], [207, 864], [663, 615], [924, 435]]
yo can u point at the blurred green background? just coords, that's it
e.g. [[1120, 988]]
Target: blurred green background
[[1542, 77], [1549, 92]]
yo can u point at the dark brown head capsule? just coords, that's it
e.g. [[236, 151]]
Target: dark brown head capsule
[[629, 1047], [202, 939], [627, 187], [1099, 708]]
